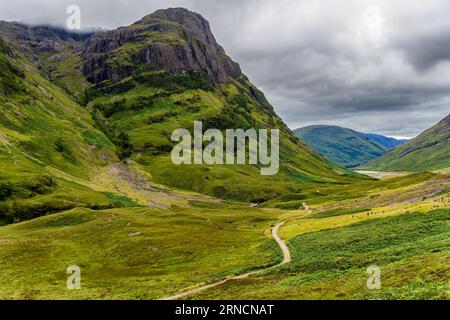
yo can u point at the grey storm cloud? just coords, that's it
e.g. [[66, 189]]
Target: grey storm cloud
[[378, 66], [428, 50]]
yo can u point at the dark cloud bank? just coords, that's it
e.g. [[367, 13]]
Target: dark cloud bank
[[375, 66]]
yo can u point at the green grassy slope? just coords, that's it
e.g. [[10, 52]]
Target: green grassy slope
[[412, 251], [427, 152], [43, 132], [132, 253], [65, 70], [399, 224], [345, 146], [148, 115], [55, 52]]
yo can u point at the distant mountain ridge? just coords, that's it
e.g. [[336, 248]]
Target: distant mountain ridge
[[388, 142], [429, 151], [345, 146]]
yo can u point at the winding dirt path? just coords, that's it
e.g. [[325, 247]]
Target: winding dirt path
[[281, 244], [286, 259]]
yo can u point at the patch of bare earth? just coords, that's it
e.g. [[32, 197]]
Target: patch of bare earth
[[157, 197], [383, 175]]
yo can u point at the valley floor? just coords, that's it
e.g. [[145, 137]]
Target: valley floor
[[400, 224]]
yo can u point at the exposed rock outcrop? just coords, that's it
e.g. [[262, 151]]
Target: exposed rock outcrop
[[173, 40]]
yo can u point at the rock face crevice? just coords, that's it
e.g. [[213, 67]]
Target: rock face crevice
[[172, 40]]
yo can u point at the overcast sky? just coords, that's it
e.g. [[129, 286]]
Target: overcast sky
[[374, 66]]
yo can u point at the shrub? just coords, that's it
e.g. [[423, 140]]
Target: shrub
[[115, 107], [184, 81], [63, 147], [44, 185], [6, 190], [240, 100], [123, 143], [21, 212], [161, 117], [193, 109]]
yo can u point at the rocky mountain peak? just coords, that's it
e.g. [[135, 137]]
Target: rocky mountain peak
[[192, 21], [173, 40]]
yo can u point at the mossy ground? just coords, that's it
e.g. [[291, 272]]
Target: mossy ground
[[411, 249], [173, 250]]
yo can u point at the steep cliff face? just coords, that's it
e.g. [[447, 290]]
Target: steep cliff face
[[173, 40]]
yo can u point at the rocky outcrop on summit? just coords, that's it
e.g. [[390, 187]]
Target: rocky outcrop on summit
[[172, 40]]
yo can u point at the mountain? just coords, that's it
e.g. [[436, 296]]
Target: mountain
[[345, 146], [174, 40], [164, 72], [427, 152], [74, 104]]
